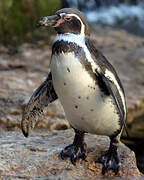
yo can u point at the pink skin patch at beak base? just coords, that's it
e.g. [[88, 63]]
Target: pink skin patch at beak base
[[60, 21]]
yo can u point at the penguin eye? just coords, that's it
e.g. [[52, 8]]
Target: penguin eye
[[67, 18]]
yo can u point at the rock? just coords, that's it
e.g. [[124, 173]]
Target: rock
[[38, 157]]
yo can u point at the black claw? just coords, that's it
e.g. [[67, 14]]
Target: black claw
[[83, 156], [104, 170], [116, 170], [62, 155], [73, 160]]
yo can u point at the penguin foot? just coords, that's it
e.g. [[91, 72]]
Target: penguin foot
[[110, 160], [74, 153]]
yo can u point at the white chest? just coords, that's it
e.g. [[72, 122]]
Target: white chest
[[81, 98]]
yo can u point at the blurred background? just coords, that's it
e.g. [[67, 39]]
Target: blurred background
[[18, 17], [117, 29]]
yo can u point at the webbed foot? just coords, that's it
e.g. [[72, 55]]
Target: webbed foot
[[110, 160], [74, 153], [77, 150]]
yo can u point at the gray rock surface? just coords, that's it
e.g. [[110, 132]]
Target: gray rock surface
[[37, 157]]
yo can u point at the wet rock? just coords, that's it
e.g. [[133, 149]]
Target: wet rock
[[38, 157]]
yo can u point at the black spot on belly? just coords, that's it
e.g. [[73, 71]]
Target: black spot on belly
[[82, 118], [64, 84], [79, 97], [91, 87], [91, 109], [68, 69], [76, 106], [87, 97]]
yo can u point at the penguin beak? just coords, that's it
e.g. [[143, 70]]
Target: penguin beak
[[48, 21]]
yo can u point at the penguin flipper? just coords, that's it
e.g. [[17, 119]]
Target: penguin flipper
[[42, 96], [119, 106]]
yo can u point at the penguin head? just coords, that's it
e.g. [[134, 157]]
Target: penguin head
[[67, 20]]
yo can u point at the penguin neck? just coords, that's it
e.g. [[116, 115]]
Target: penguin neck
[[71, 38]]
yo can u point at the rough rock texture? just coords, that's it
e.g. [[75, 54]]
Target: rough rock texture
[[38, 157]]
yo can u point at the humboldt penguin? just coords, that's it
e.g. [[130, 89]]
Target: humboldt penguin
[[87, 86]]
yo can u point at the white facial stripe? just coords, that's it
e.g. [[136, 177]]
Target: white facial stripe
[[82, 24], [112, 78]]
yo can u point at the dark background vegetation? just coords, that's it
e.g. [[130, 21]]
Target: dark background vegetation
[[18, 18]]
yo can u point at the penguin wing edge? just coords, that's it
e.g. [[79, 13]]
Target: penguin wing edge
[[111, 80], [42, 96], [117, 102]]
